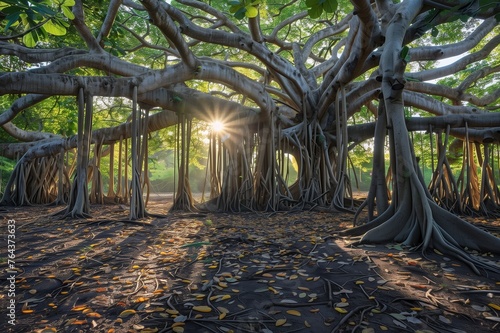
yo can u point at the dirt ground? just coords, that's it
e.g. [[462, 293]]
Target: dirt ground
[[246, 272]]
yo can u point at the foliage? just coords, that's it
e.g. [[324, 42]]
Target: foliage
[[35, 21], [244, 8], [316, 7]]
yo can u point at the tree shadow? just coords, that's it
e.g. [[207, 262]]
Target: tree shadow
[[242, 272]]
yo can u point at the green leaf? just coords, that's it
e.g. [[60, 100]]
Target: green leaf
[[234, 9], [234, 3], [44, 10], [315, 12], [54, 28], [68, 13], [404, 52], [30, 39], [11, 19], [434, 32], [240, 13], [330, 6], [251, 11], [68, 3], [311, 3]]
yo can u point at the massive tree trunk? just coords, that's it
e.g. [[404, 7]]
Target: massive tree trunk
[[414, 218]]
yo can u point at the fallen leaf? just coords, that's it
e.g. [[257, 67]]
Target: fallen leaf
[[280, 322], [48, 330], [494, 306], [93, 315], [294, 313], [288, 301], [202, 308], [126, 313], [79, 308], [172, 311]]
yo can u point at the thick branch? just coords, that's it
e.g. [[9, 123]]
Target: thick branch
[[113, 7]]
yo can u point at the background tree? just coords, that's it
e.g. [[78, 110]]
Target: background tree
[[286, 80]]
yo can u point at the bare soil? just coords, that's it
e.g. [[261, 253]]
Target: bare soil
[[246, 272]]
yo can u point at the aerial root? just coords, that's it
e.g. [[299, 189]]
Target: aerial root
[[419, 222]]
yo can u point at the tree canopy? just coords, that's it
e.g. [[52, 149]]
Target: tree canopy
[[306, 81]]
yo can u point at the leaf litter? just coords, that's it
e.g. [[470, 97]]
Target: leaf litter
[[243, 272]]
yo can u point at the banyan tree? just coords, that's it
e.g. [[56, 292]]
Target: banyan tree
[[304, 80]]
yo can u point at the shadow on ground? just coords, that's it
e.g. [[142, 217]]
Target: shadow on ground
[[189, 272]]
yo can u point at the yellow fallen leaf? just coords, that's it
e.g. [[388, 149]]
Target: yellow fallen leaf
[[340, 310], [126, 313], [79, 308], [280, 322], [172, 311], [48, 330], [93, 315], [222, 315], [178, 329], [273, 290], [202, 308], [494, 306], [294, 313], [306, 324]]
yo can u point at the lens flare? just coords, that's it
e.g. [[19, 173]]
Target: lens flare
[[217, 126]]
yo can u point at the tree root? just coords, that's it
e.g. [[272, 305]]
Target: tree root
[[419, 222]]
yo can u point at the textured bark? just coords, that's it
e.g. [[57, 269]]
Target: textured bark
[[415, 219]]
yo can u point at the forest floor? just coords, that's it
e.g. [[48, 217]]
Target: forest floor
[[245, 272]]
